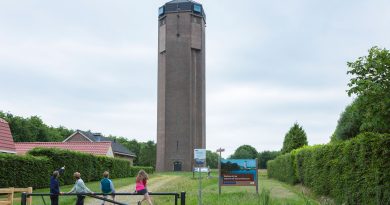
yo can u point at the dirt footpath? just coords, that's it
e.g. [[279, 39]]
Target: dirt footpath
[[153, 184]]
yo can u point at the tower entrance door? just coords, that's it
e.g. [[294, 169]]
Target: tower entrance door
[[177, 166]]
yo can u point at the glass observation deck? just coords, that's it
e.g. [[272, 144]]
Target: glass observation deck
[[181, 5]]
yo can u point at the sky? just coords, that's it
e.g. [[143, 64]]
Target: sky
[[92, 65]]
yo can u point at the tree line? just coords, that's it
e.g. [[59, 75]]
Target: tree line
[[33, 129]]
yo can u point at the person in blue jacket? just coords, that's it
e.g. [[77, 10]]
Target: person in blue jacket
[[55, 185], [107, 186]]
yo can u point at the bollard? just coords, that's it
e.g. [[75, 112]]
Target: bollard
[[23, 201], [183, 198]]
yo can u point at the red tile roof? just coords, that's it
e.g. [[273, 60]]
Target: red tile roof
[[6, 140], [95, 148]]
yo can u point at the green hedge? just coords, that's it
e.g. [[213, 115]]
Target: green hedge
[[24, 171], [90, 166], [352, 172], [35, 168]]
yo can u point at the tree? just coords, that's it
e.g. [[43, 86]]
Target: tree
[[212, 159], [295, 138], [147, 156], [33, 129], [371, 83], [133, 145], [245, 152], [348, 126], [265, 156]]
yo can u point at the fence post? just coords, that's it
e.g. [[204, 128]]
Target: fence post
[[183, 198], [24, 198], [176, 197]]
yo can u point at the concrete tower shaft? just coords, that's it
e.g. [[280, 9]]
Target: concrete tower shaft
[[181, 84]]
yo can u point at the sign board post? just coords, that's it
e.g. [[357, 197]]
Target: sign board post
[[200, 159], [220, 150]]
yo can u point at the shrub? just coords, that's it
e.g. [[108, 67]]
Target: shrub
[[265, 156], [24, 171], [356, 171], [91, 167], [294, 139], [282, 168], [35, 169]]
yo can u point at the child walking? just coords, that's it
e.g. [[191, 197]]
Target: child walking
[[140, 186], [107, 186]]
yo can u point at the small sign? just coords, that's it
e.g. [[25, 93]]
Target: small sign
[[200, 156], [202, 169]]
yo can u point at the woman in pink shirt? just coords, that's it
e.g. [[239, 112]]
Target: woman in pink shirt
[[140, 186]]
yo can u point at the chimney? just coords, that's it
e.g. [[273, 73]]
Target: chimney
[[97, 136]]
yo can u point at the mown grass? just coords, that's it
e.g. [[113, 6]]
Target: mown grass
[[68, 200], [271, 192]]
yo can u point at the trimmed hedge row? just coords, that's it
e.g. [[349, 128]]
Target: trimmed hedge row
[[35, 170], [90, 166], [24, 171], [352, 172]]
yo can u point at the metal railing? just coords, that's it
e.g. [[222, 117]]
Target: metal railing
[[181, 196]]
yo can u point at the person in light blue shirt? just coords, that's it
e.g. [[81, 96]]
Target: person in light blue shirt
[[107, 186], [79, 188]]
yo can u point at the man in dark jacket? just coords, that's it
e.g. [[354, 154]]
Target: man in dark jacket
[[55, 186]]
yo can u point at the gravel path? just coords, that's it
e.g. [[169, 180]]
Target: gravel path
[[153, 184]]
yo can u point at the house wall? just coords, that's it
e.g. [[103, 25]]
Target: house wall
[[77, 137], [130, 159]]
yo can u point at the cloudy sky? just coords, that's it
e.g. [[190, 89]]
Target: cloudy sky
[[92, 65]]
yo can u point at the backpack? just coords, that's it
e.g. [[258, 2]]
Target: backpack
[[106, 185]]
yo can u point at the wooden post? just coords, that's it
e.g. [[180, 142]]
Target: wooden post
[[10, 196]]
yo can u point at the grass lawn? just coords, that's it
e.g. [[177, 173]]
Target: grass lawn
[[271, 192], [94, 186]]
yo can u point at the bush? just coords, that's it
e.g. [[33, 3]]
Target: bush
[[294, 139], [24, 171], [352, 172], [134, 170], [282, 168], [91, 167], [35, 169], [265, 156], [348, 125]]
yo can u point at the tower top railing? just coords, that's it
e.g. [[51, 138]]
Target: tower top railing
[[182, 6]]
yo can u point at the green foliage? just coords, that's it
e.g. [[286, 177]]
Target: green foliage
[[32, 129], [133, 145], [282, 168], [212, 159], [294, 138], [245, 152], [91, 167], [24, 171], [348, 126], [355, 171], [147, 156], [371, 74], [265, 156], [145, 151], [371, 83]]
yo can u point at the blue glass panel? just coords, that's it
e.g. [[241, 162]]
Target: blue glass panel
[[161, 11], [197, 8]]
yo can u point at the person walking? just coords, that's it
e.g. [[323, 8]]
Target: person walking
[[107, 186], [55, 185], [141, 186], [79, 188]]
